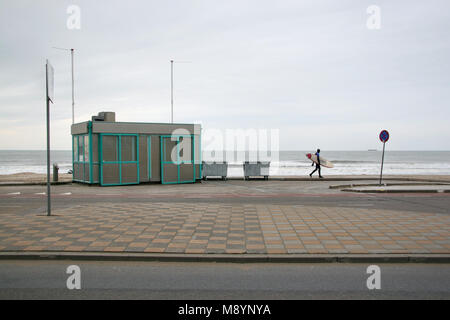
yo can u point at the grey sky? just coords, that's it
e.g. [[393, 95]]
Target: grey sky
[[309, 68]]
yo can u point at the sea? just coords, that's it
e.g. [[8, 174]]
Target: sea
[[286, 163]]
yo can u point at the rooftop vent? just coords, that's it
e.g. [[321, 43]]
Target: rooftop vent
[[105, 116]]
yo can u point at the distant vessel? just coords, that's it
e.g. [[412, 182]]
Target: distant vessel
[[372, 150]]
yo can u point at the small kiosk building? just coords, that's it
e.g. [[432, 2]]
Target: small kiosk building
[[110, 153]]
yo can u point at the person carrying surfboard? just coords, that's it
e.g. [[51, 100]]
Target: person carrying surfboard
[[317, 164], [318, 161]]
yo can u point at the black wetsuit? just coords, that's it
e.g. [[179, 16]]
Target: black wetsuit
[[317, 165]]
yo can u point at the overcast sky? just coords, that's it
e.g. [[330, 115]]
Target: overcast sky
[[312, 69]]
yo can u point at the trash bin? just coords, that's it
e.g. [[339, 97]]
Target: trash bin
[[254, 169], [55, 172], [215, 169]]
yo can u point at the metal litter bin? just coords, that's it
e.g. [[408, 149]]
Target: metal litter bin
[[215, 169], [254, 169], [55, 172]]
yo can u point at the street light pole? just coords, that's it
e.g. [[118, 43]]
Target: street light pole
[[47, 100], [73, 81]]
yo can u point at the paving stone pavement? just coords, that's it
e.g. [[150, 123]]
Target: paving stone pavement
[[225, 228]]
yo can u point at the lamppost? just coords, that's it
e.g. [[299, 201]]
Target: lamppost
[[73, 97]]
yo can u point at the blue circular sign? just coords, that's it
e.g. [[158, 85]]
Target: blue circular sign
[[384, 136]]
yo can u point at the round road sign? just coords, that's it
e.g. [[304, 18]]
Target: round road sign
[[384, 136]]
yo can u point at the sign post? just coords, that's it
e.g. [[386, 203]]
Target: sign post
[[384, 137], [49, 98]]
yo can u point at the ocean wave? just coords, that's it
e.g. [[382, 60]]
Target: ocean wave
[[287, 163]]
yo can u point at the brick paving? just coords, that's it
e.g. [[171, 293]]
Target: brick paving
[[225, 228]]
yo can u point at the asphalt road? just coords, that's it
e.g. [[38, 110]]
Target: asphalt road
[[159, 280], [32, 199]]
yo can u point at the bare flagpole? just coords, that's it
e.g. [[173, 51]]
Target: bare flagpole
[[171, 86], [73, 80], [73, 88], [171, 90]]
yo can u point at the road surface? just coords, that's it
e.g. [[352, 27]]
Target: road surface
[[160, 280], [32, 199]]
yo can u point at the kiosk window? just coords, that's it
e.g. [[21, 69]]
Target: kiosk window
[[128, 148]]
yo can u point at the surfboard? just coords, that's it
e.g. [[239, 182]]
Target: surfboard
[[323, 162]]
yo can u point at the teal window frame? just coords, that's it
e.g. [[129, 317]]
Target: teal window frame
[[83, 162], [119, 158], [149, 157], [177, 162], [200, 154]]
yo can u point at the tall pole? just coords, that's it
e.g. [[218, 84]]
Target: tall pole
[[382, 162], [73, 86], [48, 141], [171, 89], [73, 81]]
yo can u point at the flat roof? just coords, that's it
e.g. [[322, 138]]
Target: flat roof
[[134, 127]]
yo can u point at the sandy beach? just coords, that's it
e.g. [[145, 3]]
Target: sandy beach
[[30, 177]]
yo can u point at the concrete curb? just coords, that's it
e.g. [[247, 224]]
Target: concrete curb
[[230, 258], [358, 178], [342, 186], [418, 180], [397, 191]]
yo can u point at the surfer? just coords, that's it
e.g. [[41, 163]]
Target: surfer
[[317, 164]]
